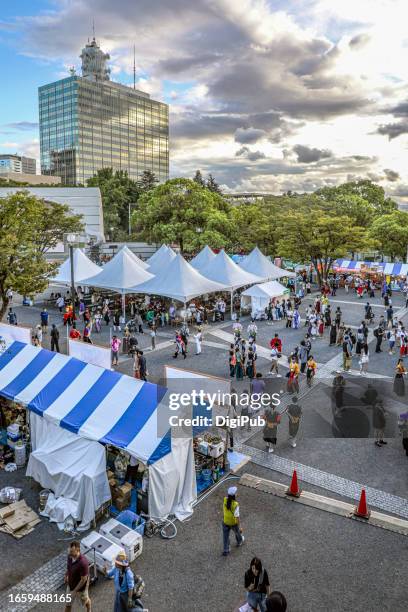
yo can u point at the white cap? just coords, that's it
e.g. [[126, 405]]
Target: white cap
[[232, 490]]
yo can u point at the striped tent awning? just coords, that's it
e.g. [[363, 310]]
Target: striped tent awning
[[85, 399], [391, 269]]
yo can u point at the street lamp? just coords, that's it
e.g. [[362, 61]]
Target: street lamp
[[72, 239]]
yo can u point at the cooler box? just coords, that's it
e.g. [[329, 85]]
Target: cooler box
[[216, 450], [123, 536], [106, 551]]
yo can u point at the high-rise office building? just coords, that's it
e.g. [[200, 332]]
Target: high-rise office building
[[89, 122], [17, 163]]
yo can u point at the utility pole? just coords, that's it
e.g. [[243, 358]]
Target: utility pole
[[71, 259]]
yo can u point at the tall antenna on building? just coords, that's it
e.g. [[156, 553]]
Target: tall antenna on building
[[134, 66], [93, 28]]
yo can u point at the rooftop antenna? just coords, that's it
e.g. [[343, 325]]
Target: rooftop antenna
[[93, 28], [134, 66]]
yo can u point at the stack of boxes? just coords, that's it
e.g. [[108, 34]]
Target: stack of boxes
[[120, 493]]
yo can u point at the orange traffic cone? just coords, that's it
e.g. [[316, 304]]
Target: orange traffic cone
[[294, 489], [362, 510]]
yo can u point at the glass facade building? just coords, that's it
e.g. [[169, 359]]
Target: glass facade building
[[89, 123]]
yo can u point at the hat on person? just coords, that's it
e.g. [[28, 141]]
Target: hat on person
[[232, 490], [121, 559]]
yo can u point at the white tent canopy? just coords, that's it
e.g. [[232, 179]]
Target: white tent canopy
[[136, 259], [257, 263], [223, 270], [180, 281], [203, 258], [83, 268], [161, 259], [120, 273], [258, 296]]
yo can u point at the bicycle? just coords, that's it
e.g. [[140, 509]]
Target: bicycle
[[165, 527]]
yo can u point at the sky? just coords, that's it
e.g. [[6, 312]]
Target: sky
[[267, 95]]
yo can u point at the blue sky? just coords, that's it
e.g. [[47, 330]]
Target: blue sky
[[268, 95]]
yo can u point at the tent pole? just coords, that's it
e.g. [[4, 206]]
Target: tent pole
[[232, 302], [124, 306], [184, 311]]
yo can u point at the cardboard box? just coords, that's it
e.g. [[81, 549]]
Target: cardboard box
[[125, 489], [110, 474], [121, 503]]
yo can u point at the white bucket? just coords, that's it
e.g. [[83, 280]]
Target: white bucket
[[20, 455]]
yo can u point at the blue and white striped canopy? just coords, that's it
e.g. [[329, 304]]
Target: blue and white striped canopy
[[392, 269], [88, 400]]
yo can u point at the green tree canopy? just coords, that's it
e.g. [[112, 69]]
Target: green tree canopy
[[198, 178], [390, 233], [317, 236], [181, 211], [28, 227], [118, 191], [148, 181], [372, 193]]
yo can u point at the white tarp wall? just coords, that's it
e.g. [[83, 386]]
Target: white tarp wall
[[10, 333], [97, 355], [73, 468]]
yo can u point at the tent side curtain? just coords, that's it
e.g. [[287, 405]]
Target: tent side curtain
[[85, 399]]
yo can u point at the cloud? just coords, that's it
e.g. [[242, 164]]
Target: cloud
[[248, 135], [393, 130], [359, 41], [23, 126], [308, 155], [248, 154], [391, 175]]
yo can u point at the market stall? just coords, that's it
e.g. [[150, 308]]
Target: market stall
[[83, 268], [394, 273], [257, 298], [94, 410]]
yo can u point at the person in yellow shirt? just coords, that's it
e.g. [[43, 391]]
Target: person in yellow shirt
[[311, 368], [231, 520], [293, 376]]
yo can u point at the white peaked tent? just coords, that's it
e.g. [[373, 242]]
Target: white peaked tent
[[83, 268], [179, 281], [203, 258], [260, 295], [257, 263], [140, 262], [223, 270], [161, 259], [120, 274]]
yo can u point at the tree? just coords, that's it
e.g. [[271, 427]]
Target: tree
[[212, 185], [312, 234], [28, 227], [148, 181], [198, 178], [373, 194], [390, 232], [180, 211], [118, 193], [253, 225]]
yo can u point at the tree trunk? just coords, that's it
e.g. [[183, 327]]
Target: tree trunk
[[181, 245], [4, 304]]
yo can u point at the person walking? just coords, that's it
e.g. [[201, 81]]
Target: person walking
[[153, 337], [347, 354], [115, 347], [44, 320], [257, 585], [399, 383], [378, 333], [232, 361], [333, 333], [311, 368], [239, 367], [274, 361], [142, 366], [293, 376], [38, 336], [391, 340], [11, 317], [364, 360], [231, 520], [379, 423], [198, 337], [303, 356], [77, 578], [54, 335], [116, 321], [270, 430], [124, 582], [86, 336], [294, 412]]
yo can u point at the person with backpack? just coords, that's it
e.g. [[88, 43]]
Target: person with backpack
[[54, 338], [44, 320], [231, 520], [11, 317], [124, 581]]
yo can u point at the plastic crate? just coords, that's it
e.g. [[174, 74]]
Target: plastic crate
[[132, 520]]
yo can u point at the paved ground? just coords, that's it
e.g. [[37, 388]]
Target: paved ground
[[359, 562], [320, 561]]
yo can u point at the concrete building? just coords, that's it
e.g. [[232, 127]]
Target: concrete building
[[85, 201], [89, 122], [17, 164], [31, 179]]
